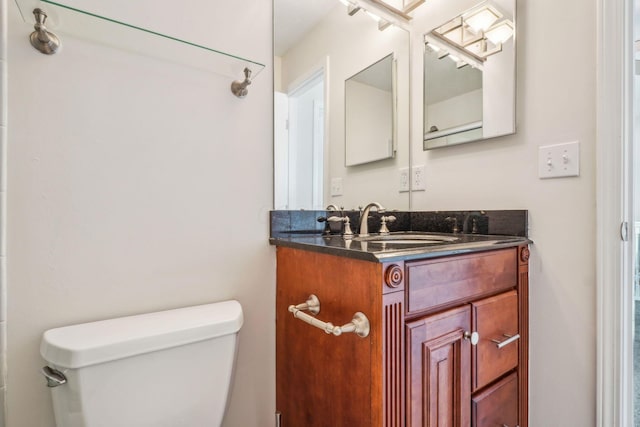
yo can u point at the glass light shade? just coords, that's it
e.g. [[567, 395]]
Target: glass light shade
[[373, 16], [482, 19], [500, 33], [433, 47]]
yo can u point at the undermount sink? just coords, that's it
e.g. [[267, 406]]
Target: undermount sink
[[408, 239]]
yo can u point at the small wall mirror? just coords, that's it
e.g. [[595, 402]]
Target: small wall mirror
[[469, 76], [370, 113]]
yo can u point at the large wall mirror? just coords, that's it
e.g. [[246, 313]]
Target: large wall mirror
[[469, 76], [329, 61]]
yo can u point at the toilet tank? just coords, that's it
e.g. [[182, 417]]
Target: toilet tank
[[165, 369]]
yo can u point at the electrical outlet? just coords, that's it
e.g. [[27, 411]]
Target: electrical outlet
[[404, 180], [336, 186], [559, 160], [418, 178]]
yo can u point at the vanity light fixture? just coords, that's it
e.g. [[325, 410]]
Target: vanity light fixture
[[373, 16], [500, 33], [481, 19], [383, 24], [443, 53], [352, 9], [433, 47], [479, 32], [383, 13], [458, 57], [459, 62]]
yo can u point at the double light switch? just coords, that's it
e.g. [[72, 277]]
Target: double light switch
[[559, 160]]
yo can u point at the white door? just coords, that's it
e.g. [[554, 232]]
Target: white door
[[299, 145]]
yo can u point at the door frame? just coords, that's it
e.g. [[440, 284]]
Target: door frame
[[614, 196]]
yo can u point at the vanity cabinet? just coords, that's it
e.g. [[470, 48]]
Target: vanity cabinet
[[447, 344]]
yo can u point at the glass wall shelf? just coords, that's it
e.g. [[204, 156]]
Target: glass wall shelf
[[113, 31]]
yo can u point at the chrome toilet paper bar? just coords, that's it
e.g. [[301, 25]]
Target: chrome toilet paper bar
[[358, 325], [312, 305]]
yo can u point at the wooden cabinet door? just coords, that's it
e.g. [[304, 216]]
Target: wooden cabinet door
[[438, 370], [497, 405]]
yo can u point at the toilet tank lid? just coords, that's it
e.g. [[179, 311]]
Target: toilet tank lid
[[92, 343]]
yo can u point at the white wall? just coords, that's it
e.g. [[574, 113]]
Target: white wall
[[556, 103], [455, 111], [127, 195]]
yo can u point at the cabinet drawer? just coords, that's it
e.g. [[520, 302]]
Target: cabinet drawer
[[444, 281], [496, 321], [496, 406]]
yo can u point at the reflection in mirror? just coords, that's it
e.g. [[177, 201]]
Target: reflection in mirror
[[370, 113], [318, 45], [469, 76], [453, 113]]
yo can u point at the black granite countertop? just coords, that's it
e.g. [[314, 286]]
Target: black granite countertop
[[398, 246]]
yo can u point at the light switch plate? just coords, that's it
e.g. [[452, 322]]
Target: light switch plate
[[336, 186], [559, 160]]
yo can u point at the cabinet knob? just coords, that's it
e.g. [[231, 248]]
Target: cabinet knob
[[474, 337]]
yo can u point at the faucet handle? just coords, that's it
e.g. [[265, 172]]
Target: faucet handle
[[347, 234], [347, 224], [455, 229], [383, 225]]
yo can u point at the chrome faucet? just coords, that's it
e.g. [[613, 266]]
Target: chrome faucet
[[474, 225], [364, 225]]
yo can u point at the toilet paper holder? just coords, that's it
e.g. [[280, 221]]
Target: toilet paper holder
[[359, 323]]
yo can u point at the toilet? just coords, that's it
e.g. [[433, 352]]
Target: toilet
[[166, 369]]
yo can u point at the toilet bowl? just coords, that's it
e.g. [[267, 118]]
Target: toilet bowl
[[165, 369]]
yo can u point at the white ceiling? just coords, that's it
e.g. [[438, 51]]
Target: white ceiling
[[294, 18]]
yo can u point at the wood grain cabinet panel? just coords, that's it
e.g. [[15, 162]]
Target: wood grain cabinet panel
[[497, 406], [326, 380], [438, 370], [437, 283], [496, 321]]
